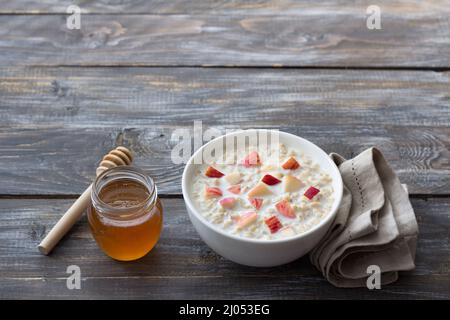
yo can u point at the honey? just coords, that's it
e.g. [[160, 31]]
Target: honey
[[126, 215]]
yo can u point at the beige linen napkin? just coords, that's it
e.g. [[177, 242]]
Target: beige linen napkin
[[375, 224]]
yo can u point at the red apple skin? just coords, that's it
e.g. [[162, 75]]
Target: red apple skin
[[285, 208], [213, 173], [273, 223], [270, 180], [291, 164], [311, 192], [213, 192], [251, 160], [256, 202]]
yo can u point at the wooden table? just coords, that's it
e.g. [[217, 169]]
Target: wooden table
[[138, 70]]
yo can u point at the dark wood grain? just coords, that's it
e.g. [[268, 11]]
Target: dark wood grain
[[318, 36], [221, 7], [182, 266], [56, 123]]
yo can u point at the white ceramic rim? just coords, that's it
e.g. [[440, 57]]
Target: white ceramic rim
[[331, 215]]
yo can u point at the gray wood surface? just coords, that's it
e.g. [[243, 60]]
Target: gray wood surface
[[56, 123], [214, 7], [182, 266], [298, 38], [138, 70]]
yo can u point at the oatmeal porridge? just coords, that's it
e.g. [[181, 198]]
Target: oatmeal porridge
[[272, 194]]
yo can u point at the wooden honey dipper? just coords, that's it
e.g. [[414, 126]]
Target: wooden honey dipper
[[120, 156]]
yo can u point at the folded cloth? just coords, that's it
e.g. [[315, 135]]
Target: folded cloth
[[374, 225]]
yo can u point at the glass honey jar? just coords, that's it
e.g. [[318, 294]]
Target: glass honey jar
[[126, 214]]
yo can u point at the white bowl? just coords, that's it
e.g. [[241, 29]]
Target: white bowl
[[264, 253]]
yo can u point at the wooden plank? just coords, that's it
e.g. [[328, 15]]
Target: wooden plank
[[80, 114], [408, 38], [217, 7], [56, 123], [182, 266]]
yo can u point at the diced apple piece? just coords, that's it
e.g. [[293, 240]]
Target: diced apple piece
[[246, 219], [291, 164], [227, 203], [291, 184], [236, 189], [270, 180], [233, 178], [212, 192], [259, 190], [311, 192], [273, 223], [213, 173], [285, 208], [256, 202], [252, 159]]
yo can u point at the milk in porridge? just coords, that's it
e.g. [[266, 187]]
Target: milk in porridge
[[272, 194]]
